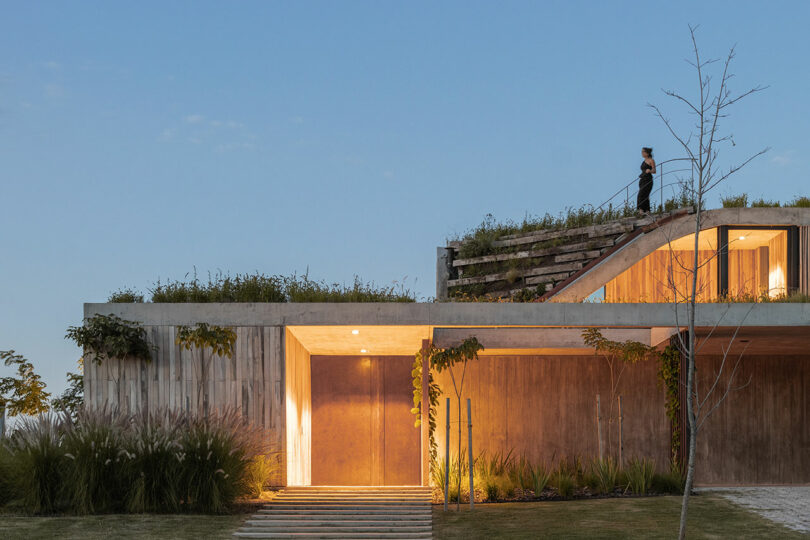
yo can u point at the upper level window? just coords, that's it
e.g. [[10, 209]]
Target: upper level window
[[739, 262], [757, 262]]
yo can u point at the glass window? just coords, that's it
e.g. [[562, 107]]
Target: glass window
[[757, 262]]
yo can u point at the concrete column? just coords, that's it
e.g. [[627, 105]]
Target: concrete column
[[444, 268]]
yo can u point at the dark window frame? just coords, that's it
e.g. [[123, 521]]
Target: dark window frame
[[792, 276]]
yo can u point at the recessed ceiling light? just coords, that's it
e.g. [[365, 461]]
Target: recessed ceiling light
[[355, 332], [742, 238], [363, 351]]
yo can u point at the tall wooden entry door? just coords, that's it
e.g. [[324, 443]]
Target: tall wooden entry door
[[363, 432]]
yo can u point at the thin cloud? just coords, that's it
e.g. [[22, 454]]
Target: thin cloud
[[783, 159], [195, 119]]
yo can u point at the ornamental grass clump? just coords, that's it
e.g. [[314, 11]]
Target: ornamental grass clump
[[93, 469], [605, 473], [152, 458], [36, 463], [639, 474], [216, 454]]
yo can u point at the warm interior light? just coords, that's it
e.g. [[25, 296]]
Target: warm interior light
[[355, 332], [363, 351], [742, 238]]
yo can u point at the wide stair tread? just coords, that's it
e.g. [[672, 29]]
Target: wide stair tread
[[344, 512]]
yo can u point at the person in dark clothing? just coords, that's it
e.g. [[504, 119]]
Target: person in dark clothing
[[645, 181]]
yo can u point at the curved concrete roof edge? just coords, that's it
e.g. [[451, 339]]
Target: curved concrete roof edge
[[629, 254]]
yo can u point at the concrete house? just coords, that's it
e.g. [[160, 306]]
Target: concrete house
[[331, 383]]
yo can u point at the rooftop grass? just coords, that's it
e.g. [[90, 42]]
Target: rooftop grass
[[258, 287], [710, 516]]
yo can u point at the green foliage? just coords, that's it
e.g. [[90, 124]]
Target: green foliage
[[37, 461], [160, 462], [540, 477], [606, 474], [72, 399], [799, 202], [671, 482], [109, 336], [639, 474], [441, 359], [669, 377], [24, 393], [735, 201], [434, 393], [125, 296], [92, 473], [258, 472], [564, 482], [262, 288], [628, 351], [762, 203], [204, 336]]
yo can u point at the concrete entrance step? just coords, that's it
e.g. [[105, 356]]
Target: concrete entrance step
[[344, 512]]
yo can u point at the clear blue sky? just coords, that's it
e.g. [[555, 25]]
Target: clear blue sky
[[141, 139]]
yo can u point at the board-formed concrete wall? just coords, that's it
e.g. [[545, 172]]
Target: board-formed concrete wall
[[252, 382]]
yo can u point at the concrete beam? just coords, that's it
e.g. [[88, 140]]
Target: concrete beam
[[460, 314], [534, 338]]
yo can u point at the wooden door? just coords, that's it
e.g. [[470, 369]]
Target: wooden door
[[362, 427]]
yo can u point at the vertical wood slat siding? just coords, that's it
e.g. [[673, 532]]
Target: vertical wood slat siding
[[172, 380], [804, 260]]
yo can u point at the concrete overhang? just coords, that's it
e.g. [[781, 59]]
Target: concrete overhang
[[462, 314]]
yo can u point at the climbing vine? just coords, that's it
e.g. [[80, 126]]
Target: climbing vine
[[108, 336], [669, 372], [439, 359]]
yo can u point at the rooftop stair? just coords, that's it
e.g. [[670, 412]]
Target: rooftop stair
[[545, 258], [344, 512]]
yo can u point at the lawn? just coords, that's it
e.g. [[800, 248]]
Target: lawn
[[648, 518], [140, 526]]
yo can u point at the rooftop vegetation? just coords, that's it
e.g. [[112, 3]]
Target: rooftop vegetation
[[478, 240], [259, 287], [743, 201]]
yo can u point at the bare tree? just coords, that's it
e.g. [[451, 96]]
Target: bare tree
[[701, 143]]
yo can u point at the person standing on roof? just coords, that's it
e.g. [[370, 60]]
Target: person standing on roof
[[645, 181]]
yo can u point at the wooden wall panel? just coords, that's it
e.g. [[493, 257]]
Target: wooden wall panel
[[648, 280], [173, 380], [761, 433], [299, 412], [777, 276], [544, 407], [804, 260]]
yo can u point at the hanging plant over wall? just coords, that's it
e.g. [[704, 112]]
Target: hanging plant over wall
[[108, 336], [219, 339]]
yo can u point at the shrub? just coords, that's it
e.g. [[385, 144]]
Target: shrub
[[492, 489], [217, 451], [125, 296], [800, 202], [36, 462], [762, 203], [564, 482], [735, 201], [7, 492], [639, 474], [540, 477], [93, 470], [672, 482], [153, 458], [257, 473], [605, 474], [520, 473]]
